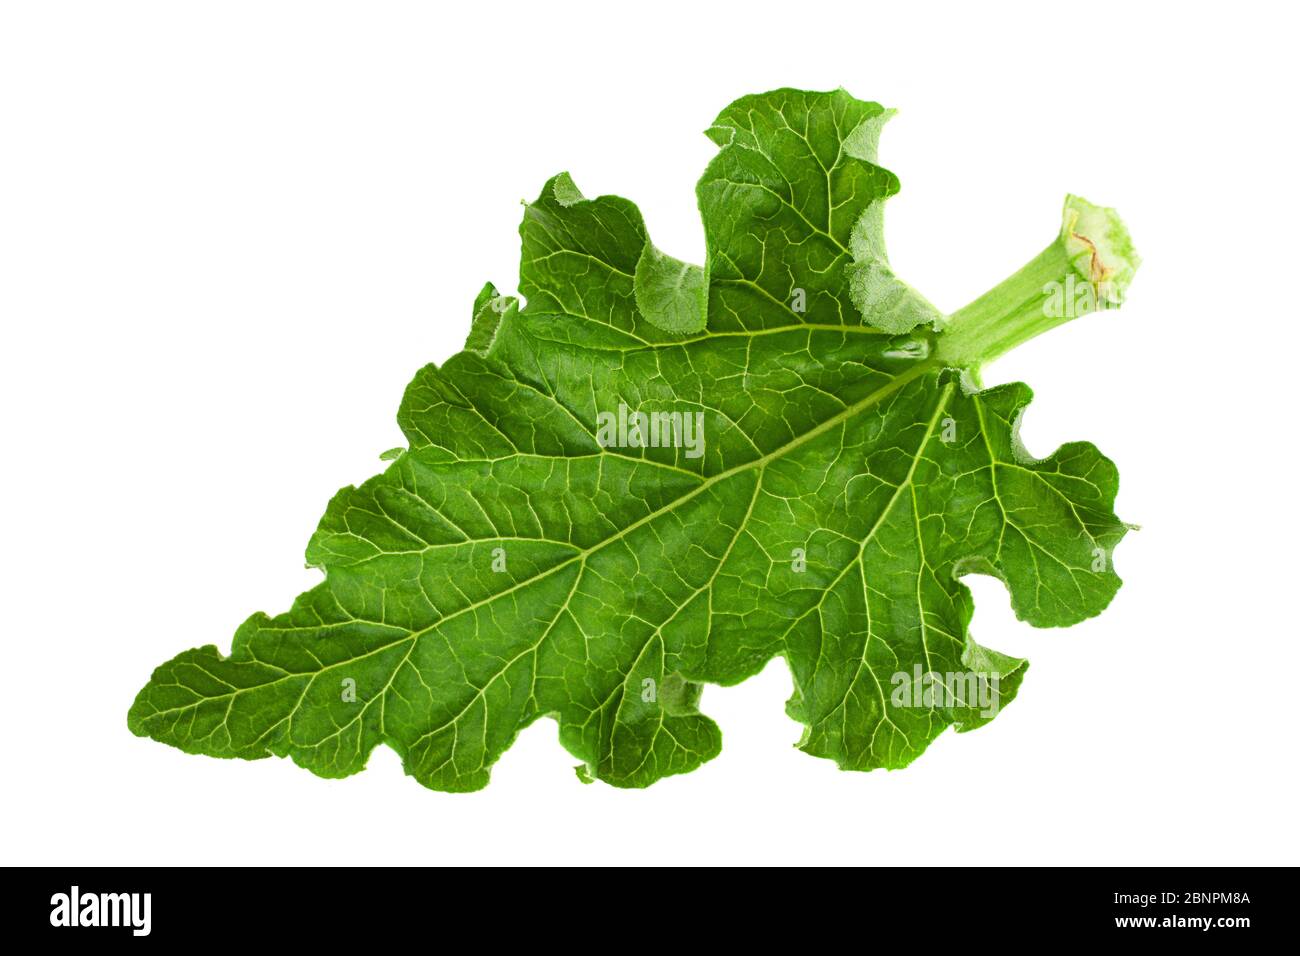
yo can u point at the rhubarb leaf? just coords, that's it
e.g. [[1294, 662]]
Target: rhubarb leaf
[[653, 476]]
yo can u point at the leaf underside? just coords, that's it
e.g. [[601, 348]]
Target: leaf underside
[[507, 565]]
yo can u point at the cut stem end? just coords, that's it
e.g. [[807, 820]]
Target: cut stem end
[[1087, 268]]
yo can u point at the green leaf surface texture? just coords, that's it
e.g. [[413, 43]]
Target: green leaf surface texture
[[509, 565]]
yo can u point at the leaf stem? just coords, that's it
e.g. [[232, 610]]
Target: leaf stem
[[1087, 268]]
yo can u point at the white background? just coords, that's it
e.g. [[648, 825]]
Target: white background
[[230, 233]]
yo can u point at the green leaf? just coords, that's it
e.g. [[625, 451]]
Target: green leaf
[[815, 471], [672, 294], [794, 201]]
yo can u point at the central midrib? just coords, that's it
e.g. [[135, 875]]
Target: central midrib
[[913, 373]]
